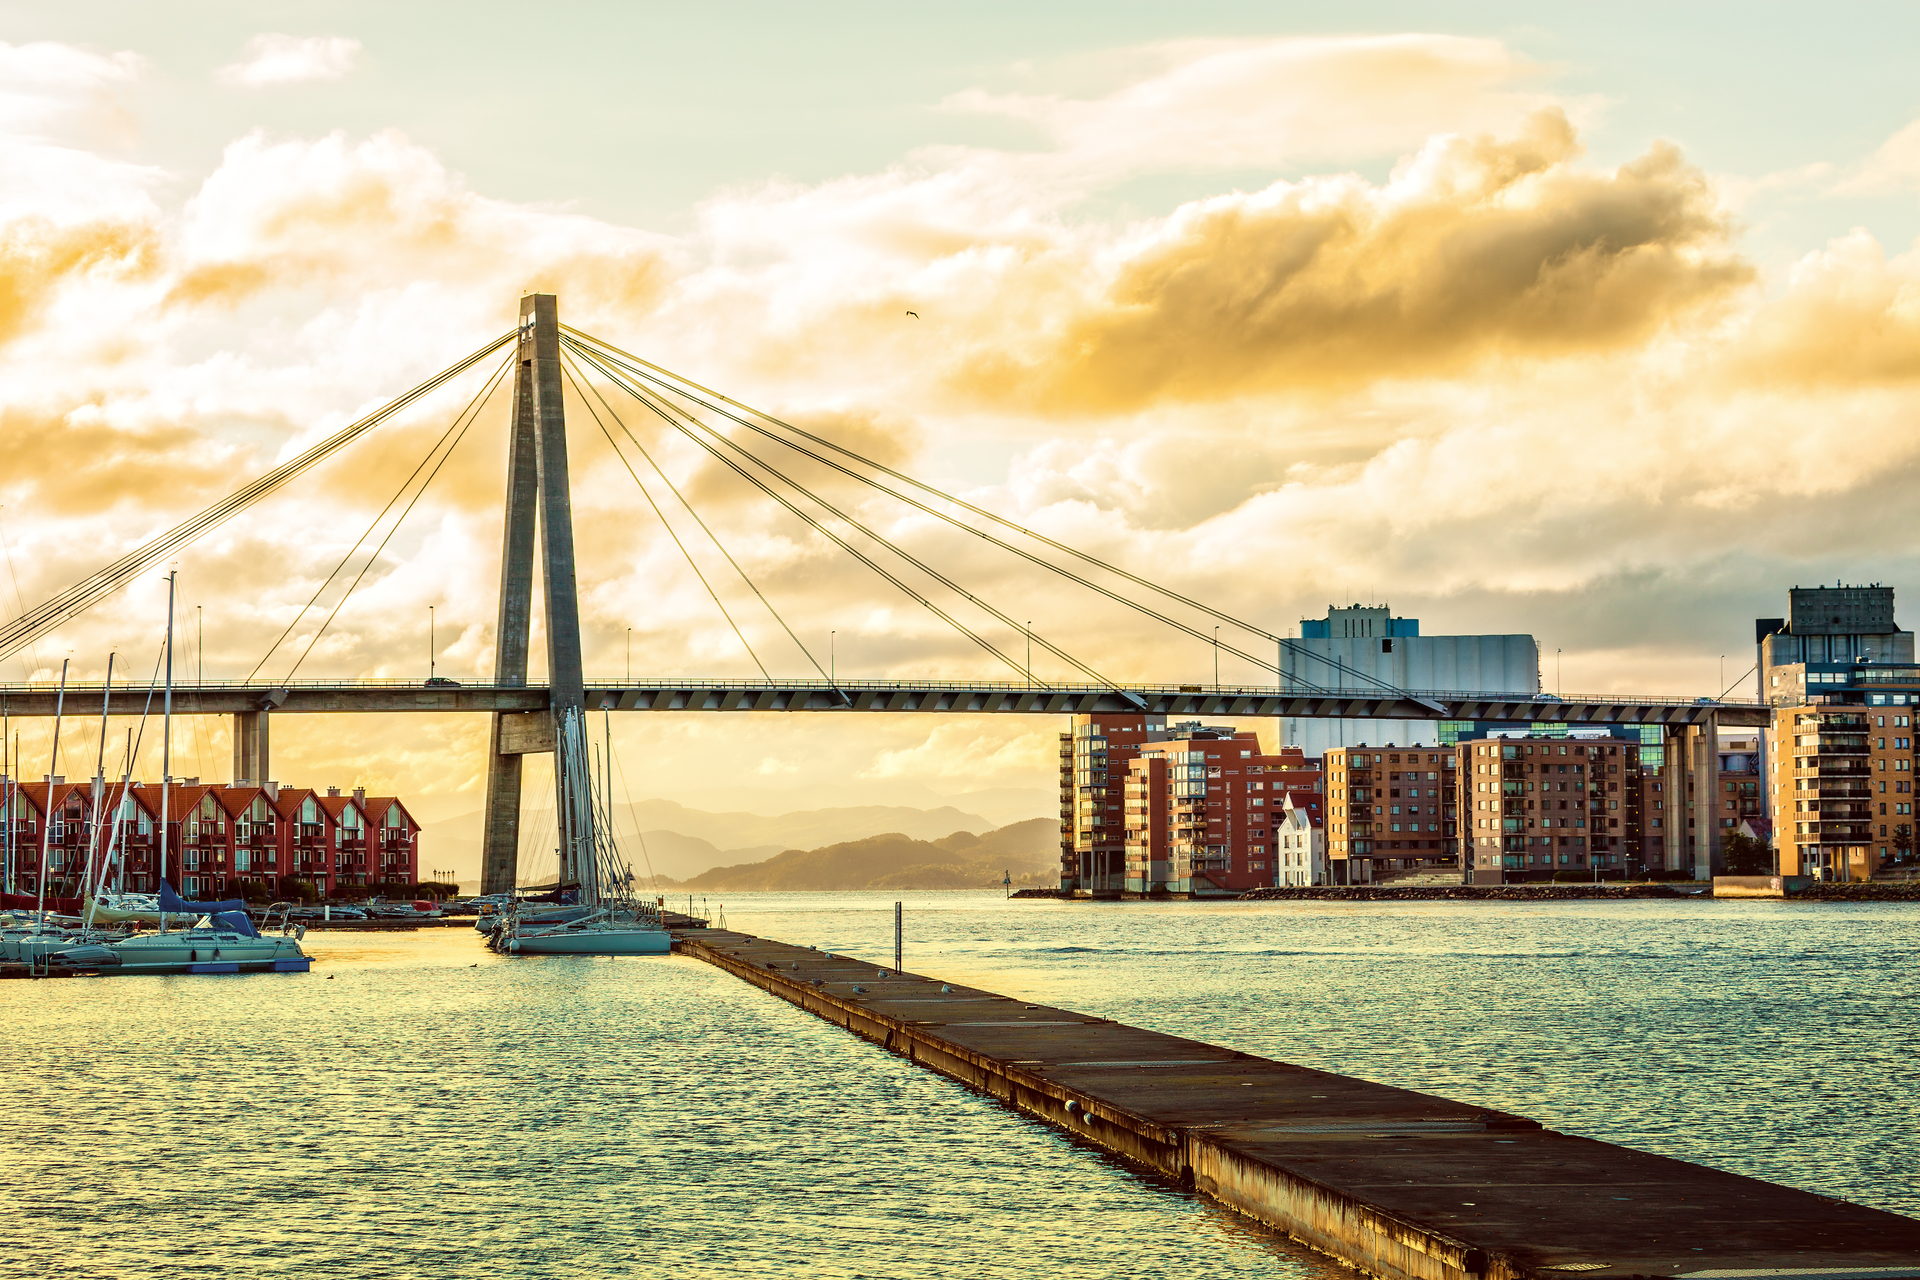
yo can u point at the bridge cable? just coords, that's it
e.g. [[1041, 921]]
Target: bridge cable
[[1023, 553], [367, 533], [681, 421], [670, 415], [567, 368], [20, 601], [470, 413], [83, 595], [677, 384], [675, 490], [682, 499]]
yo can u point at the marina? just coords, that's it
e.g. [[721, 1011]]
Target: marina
[[1403, 1185], [1257, 643], [654, 1091]]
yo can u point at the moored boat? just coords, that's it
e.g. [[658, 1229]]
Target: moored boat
[[605, 919], [220, 942]]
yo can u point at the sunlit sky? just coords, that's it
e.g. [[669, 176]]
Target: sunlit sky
[[1596, 322]]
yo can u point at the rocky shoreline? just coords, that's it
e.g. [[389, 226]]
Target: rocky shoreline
[[1906, 891], [1473, 892], [1871, 891]]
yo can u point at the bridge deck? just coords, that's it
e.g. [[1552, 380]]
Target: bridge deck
[[1398, 1183], [931, 696]]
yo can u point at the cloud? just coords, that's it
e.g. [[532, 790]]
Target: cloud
[[50, 92], [1501, 384], [1475, 248], [1893, 166], [1849, 316], [1229, 104], [984, 755], [272, 60]]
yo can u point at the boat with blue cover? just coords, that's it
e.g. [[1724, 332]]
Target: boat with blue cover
[[222, 939]]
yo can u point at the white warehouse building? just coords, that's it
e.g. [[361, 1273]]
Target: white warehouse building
[[1359, 647]]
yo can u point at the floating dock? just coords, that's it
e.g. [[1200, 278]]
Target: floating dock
[[1404, 1185]]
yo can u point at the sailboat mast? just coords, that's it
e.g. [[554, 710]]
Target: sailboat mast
[[46, 814], [94, 848], [115, 858], [6, 771], [166, 747]]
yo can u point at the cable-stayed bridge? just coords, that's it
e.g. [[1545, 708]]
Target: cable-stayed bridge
[[548, 362], [970, 697]]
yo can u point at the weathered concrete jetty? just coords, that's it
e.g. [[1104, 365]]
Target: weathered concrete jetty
[[1404, 1185]]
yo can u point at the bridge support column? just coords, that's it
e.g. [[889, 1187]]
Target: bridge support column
[[1673, 795], [538, 499], [1690, 782], [1703, 769], [251, 760], [573, 810], [500, 838]]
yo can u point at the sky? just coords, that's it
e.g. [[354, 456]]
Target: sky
[[1599, 323]]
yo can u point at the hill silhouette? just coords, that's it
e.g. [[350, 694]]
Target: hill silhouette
[[1028, 850]]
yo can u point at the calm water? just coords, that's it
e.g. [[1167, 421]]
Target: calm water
[[418, 1106]]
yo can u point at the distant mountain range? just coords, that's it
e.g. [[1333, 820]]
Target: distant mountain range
[[1029, 851], [681, 842]]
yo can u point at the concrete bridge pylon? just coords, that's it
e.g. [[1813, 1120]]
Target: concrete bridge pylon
[[538, 509]]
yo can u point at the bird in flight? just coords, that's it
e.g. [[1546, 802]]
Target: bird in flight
[[914, 314]]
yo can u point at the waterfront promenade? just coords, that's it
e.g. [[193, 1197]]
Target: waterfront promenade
[[1400, 1183]]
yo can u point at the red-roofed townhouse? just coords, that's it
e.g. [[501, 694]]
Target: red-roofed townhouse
[[306, 846], [395, 846], [62, 826], [347, 832], [253, 849]]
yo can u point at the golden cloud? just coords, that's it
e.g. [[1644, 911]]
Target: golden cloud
[[1849, 317], [1475, 248]]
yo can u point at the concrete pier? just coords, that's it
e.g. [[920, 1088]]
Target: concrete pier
[[1403, 1185]]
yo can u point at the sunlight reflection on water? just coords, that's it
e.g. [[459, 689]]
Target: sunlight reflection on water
[[1775, 1039], [417, 1106]]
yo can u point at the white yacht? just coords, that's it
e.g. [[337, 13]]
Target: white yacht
[[628, 931], [221, 942], [607, 920]]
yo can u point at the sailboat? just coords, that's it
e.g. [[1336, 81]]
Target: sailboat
[[30, 937], [116, 906], [612, 921], [219, 938], [222, 940]]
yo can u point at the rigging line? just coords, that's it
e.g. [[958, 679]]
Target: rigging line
[[640, 837], [392, 529], [19, 600], [126, 777], [897, 550], [359, 542], [667, 414], [667, 378], [711, 536], [671, 532], [83, 595], [633, 816], [1023, 553]]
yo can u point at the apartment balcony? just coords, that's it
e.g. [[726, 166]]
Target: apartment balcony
[[1829, 832], [1825, 787]]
